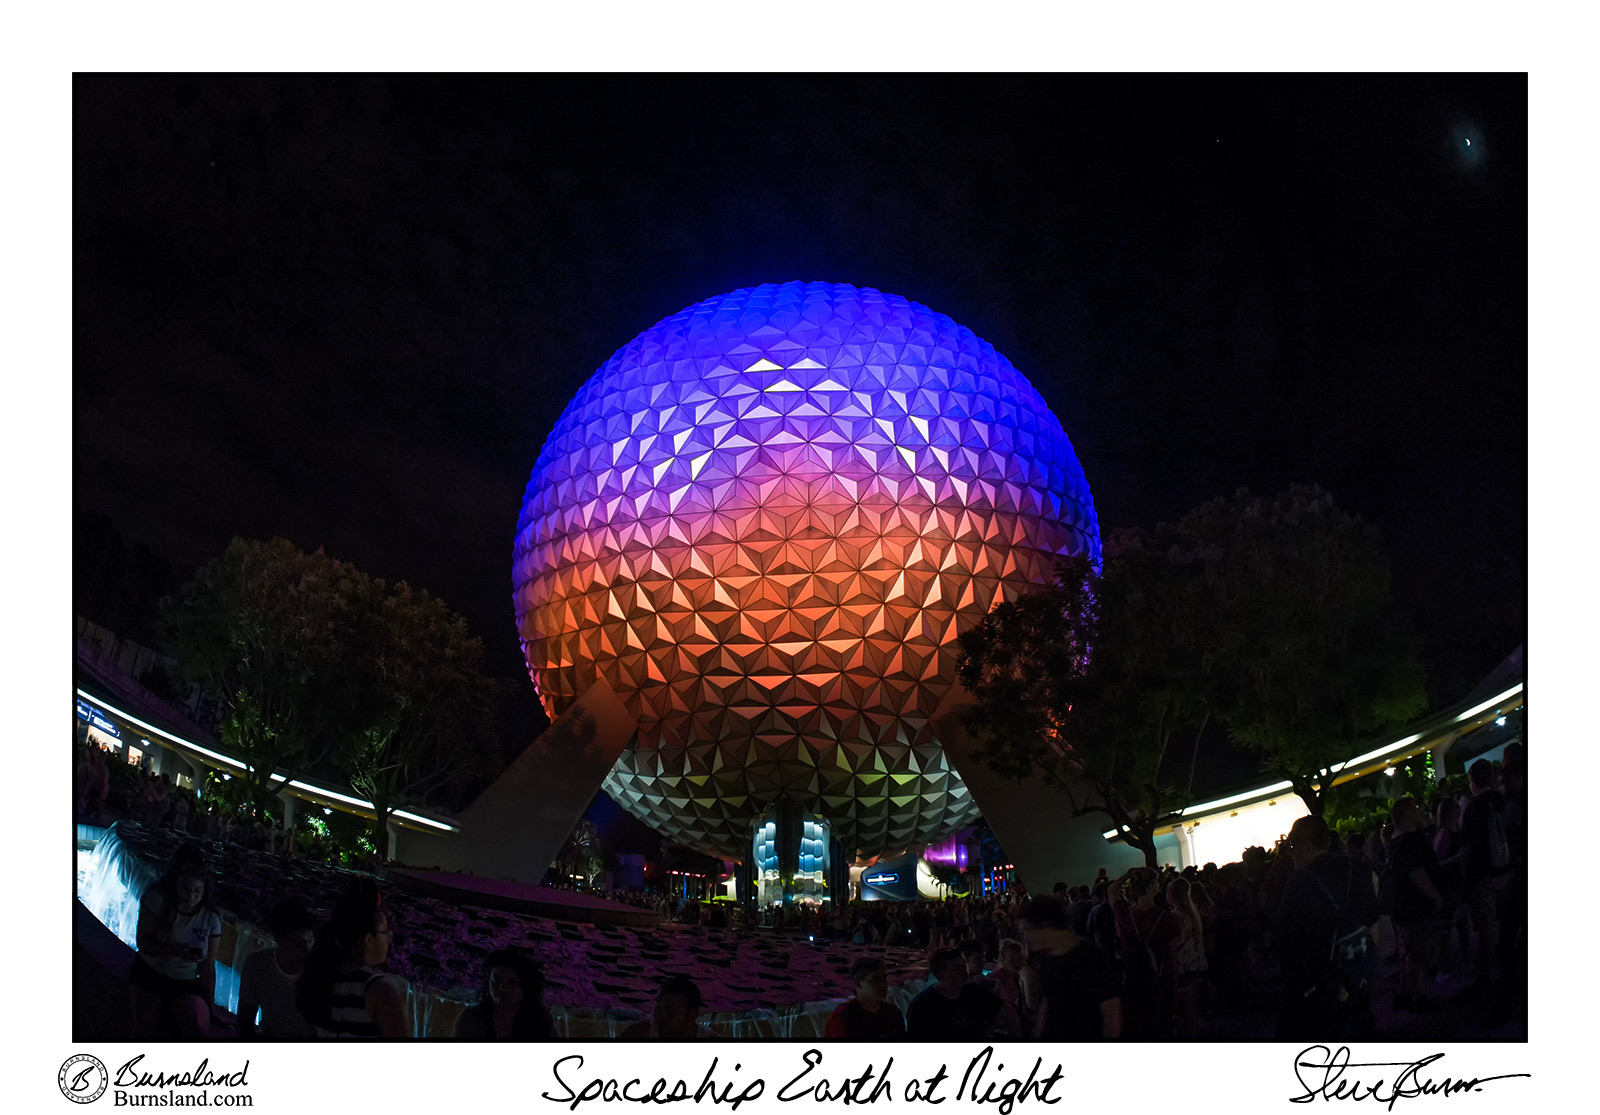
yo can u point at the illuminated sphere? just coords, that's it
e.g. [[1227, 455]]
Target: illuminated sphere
[[763, 522]]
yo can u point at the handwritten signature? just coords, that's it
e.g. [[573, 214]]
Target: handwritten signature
[[1321, 1072]]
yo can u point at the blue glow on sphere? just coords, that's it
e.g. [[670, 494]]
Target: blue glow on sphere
[[764, 522]]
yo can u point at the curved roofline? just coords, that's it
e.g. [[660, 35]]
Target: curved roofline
[[1464, 716], [309, 791]]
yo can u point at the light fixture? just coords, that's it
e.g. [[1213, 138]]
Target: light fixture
[[1390, 771], [1500, 722]]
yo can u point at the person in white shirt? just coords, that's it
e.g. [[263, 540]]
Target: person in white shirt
[[269, 978], [174, 977]]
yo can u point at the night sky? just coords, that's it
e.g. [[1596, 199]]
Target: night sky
[[348, 312]]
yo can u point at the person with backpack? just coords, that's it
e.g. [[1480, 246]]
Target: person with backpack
[[1485, 864], [1323, 938]]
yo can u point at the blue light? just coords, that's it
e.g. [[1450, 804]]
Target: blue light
[[97, 718]]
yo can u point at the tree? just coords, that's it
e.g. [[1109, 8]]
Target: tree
[[427, 711], [266, 630], [1089, 682], [584, 854], [1317, 665]]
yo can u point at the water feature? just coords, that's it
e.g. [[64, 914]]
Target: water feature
[[112, 879]]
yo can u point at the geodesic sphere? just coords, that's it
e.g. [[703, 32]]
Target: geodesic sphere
[[763, 522]]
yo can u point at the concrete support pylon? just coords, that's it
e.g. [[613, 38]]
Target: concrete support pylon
[[517, 826], [1033, 822]]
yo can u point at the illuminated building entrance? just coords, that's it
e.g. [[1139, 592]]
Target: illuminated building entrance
[[792, 852]]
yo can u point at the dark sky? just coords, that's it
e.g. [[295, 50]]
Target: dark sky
[[349, 311]]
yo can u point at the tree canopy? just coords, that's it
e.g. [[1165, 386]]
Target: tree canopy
[[1090, 682], [269, 631], [1270, 614], [315, 664], [427, 711], [1317, 662]]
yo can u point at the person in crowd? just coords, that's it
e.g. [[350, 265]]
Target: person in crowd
[[951, 1009], [1486, 864], [99, 787], [1355, 846], [510, 1005], [987, 928], [837, 927], [216, 827], [1378, 848], [1418, 903], [343, 992], [1007, 982], [870, 1015], [1277, 876], [180, 810], [1102, 919], [676, 1015], [1078, 997], [897, 936], [1447, 836], [1188, 956], [1447, 850], [1256, 863], [971, 951], [1235, 925], [1513, 941], [877, 916], [160, 800], [270, 976], [1322, 936], [1146, 933], [174, 976], [1079, 905]]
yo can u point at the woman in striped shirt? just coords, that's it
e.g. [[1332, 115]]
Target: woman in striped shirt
[[343, 993]]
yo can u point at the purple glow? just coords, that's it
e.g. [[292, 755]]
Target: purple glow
[[950, 852]]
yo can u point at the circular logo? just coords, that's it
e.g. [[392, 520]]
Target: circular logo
[[83, 1078]]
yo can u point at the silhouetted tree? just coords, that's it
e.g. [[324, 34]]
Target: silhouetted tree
[[427, 711], [269, 632], [1317, 663], [1089, 682]]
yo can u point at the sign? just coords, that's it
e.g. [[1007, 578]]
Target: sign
[[96, 718], [881, 879]]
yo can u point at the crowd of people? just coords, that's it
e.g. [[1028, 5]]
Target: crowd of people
[[1149, 955]]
